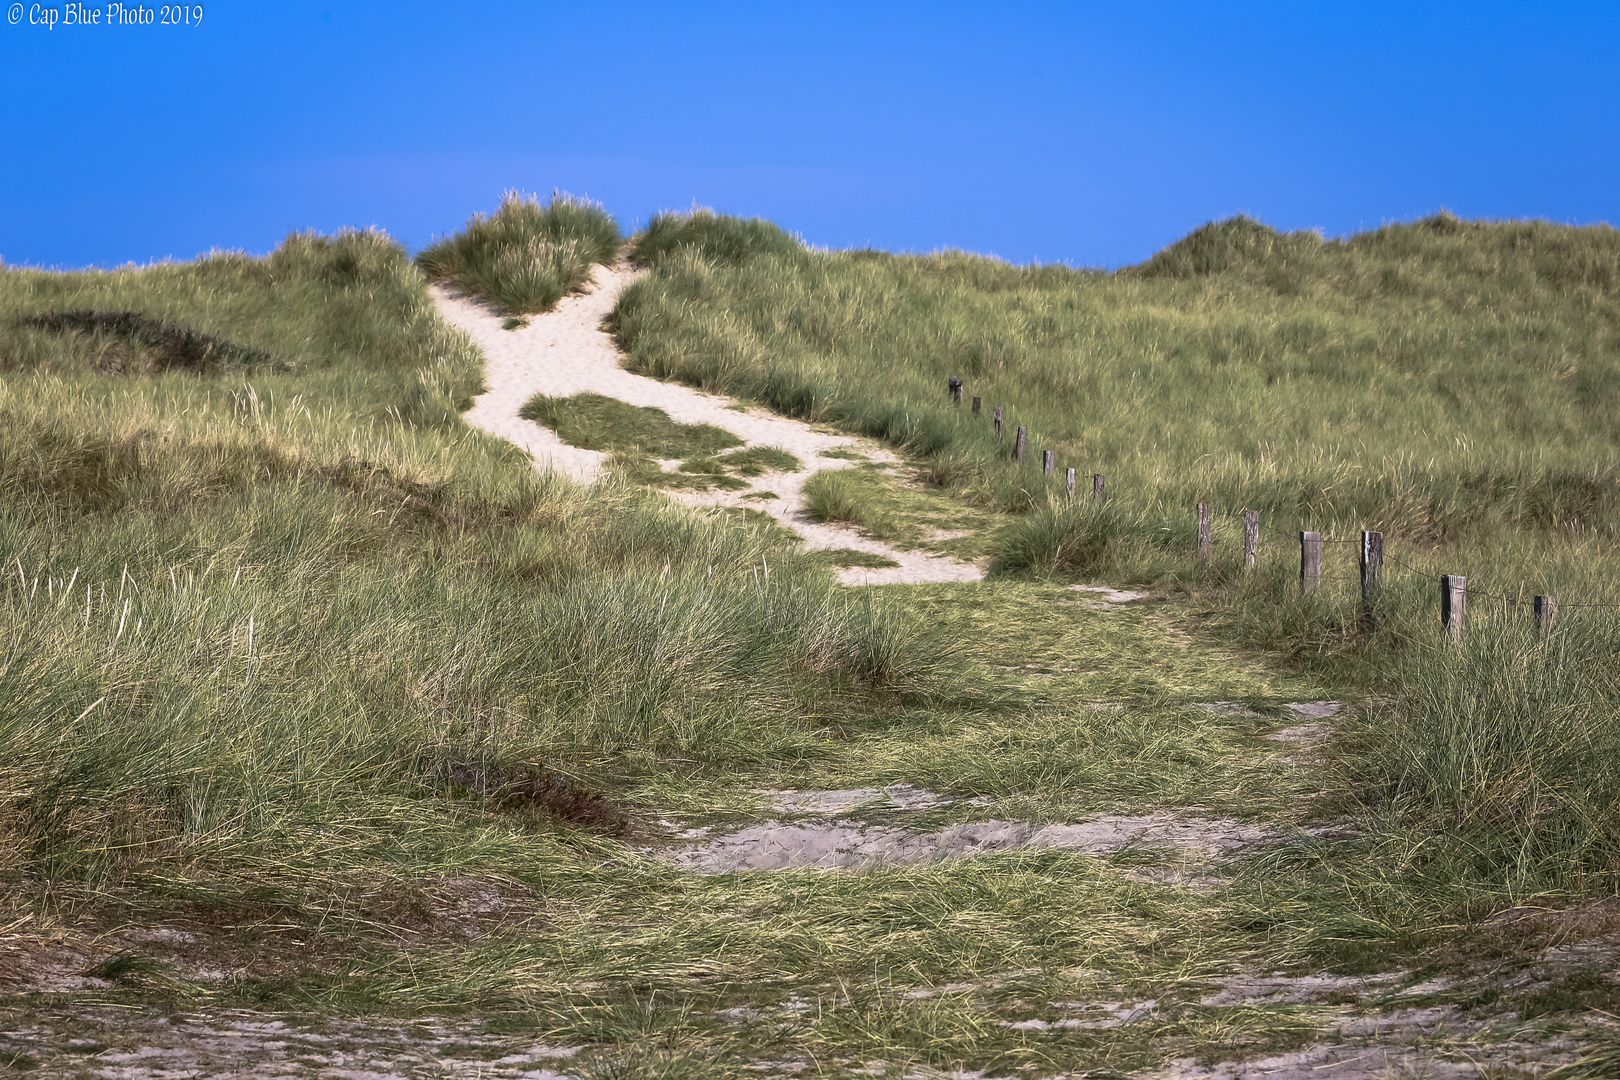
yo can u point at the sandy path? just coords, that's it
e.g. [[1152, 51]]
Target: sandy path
[[566, 352]]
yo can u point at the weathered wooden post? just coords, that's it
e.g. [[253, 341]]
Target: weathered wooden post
[[1071, 483], [975, 407], [1372, 566], [998, 423], [1048, 462], [1206, 542], [1251, 538], [1310, 561], [1022, 446], [1546, 613], [955, 386], [1453, 605], [1099, 491]]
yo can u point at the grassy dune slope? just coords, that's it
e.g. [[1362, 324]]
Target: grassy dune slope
[[1439, 379], [289, 630], [1453, 384], [311, 699]]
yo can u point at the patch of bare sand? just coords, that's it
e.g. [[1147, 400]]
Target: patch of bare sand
[[1432, 1043], [104, 1043], [566, 352], [852, 845]]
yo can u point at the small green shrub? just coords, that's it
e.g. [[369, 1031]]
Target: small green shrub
[[839, 495], [1069, 537]]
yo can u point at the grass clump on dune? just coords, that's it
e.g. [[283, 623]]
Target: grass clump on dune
[[1507, 743], [718, 238], [525, 257]]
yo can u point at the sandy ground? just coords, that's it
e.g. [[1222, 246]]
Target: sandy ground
[[853, 845], [111, 1043], [566, 352]]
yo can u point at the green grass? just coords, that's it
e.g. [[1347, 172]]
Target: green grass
[[525, 257], [1449, 383], [909, 515], [851, 557], [250, 626], [704, 234], [595, 422], [291, 658], [637, 435]]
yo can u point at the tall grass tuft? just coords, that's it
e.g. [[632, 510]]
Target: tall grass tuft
[[525, 257], [1505, 743]]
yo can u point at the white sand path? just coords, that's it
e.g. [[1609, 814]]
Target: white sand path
[[566, 352]]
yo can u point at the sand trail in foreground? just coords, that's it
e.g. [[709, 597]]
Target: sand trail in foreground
[[566, 352]]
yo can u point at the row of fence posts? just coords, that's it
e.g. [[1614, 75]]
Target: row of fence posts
[[1453, 587], [998, 418]]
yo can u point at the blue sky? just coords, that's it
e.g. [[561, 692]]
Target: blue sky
[[1088, 133]]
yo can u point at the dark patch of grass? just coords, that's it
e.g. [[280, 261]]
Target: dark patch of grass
[[637, 435], [126, 966], [885, 507], [512, 787], [525, 257], [851, 557], [758, 460], [1575, 991], [595, 422], [144, 345], [1066, 537]]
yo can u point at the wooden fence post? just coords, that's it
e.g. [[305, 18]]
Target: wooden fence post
[[998, 422], [1453, 605], [1099, 491], [1546, 613], [975, 406], [1206, 542], [1310, 561], [955, 387], [1022, 446], [1071, 483], [1048, 462], [1251, 538], [1372, 565]]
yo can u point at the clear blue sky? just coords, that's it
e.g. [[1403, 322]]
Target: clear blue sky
[[1089, 133]]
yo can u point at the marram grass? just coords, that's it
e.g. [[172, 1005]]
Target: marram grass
[[525, 257]]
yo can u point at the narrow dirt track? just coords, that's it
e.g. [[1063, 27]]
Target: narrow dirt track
[[566, 352]]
